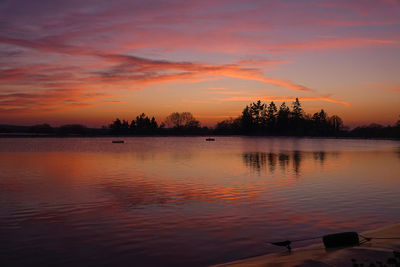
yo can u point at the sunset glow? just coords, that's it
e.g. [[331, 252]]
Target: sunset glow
[[89, 62]]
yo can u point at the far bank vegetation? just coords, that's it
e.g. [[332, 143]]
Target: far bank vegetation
[[257, 118]]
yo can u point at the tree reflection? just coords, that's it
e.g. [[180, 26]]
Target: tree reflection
[[283, 160], [258, 161], [319, 156], [255, 160], [296, 161], [272, 161]]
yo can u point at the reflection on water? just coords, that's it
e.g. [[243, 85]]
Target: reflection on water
[[257, 161], [184, 201], [283, 161], [296, 161], [319, 156]]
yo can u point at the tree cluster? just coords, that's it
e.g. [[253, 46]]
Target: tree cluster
[[377, 131], [261, 119], [178, 123], [142, 124], [184, 120]]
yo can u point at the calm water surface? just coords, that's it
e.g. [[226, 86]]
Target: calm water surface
[[184, 201]]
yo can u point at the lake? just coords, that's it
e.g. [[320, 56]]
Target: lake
[[183, 201]]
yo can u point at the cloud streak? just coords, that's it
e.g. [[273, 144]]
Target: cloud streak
[[191, 69], [48, 100], [130, 65], [337, 43], [326, 98]]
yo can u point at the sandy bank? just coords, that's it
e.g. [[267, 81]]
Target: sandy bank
[[374, 252]]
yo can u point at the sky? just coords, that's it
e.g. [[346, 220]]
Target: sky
[[90, 62]]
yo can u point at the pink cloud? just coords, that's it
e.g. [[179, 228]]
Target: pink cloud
[[47, 100], [192, 69], [262, 62], [227, 92], [338, 43], [326, 98], [140, 64]]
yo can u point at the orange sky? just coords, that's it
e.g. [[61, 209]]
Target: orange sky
[[89, 62]]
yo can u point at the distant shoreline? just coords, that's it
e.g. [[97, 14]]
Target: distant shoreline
[[27, 135]]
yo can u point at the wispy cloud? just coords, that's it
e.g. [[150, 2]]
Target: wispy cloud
[[143, 69], [262, 62], [191, 69], [48, 100], [326, 98], [336, 43], [226, 92], [46, 44]]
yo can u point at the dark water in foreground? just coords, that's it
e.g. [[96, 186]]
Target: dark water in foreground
[[184, 201]]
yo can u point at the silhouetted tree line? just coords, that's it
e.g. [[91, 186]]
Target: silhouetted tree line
[[142, 125], [261, 119], [183, 123], [47, 130], [256, 119], [377, 131]]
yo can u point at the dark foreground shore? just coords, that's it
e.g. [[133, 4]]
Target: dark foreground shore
[[377, 252]]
